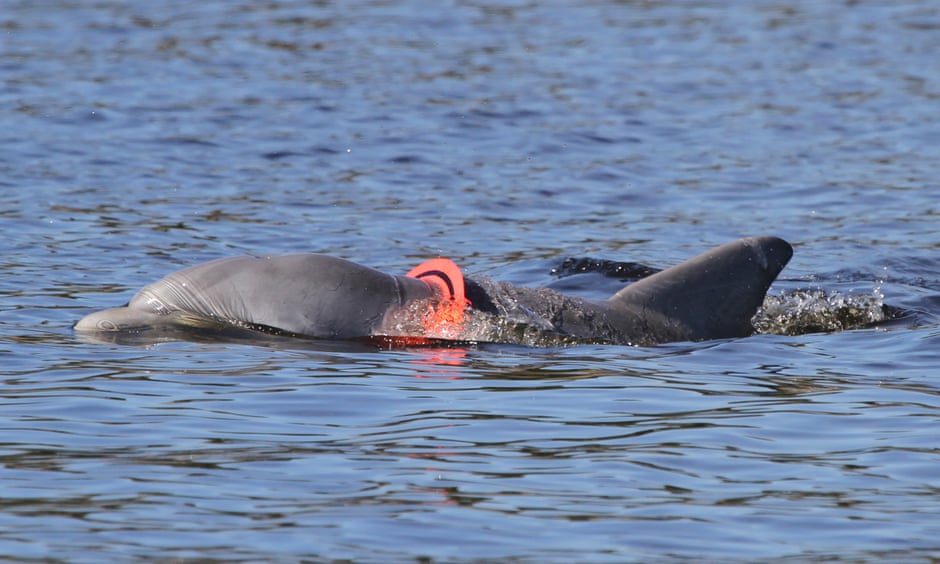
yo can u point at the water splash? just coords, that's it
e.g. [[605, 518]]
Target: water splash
[[802, 311]]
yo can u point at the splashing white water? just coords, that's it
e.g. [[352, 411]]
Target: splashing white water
[[801, 311]]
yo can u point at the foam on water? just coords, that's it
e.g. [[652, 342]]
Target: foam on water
[[802, 311]]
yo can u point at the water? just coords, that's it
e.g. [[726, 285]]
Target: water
[[139, 138]]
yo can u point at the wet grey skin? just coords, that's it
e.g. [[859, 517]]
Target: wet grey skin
[[711, 296]]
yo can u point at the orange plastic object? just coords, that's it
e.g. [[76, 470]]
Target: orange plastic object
[[445, 318]]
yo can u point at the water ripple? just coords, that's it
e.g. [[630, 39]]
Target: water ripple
[[144, 137]]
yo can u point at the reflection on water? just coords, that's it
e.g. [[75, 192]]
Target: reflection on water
[[341, 446]]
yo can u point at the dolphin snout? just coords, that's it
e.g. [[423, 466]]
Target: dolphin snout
[[115, 319]]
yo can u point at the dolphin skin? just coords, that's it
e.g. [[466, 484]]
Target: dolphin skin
[[711, 296]]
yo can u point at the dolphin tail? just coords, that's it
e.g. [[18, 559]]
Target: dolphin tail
[[711, 296]]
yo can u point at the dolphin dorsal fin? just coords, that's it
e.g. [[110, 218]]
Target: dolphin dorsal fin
[[713, 295]]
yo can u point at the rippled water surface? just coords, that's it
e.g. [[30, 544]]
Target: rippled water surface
[[141, 137]]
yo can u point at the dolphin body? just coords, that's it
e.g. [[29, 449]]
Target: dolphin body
[[711, 296]]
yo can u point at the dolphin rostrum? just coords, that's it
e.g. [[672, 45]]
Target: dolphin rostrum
[[711, 296]]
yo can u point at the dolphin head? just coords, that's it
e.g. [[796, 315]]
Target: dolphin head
[[118, 319]]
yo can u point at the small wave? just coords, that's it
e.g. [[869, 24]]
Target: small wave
[[802, 311]]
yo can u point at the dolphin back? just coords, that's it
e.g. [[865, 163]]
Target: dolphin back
[[304, 294], [711, 296]]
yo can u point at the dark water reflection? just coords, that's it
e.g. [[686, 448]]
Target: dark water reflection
[[141, 137]]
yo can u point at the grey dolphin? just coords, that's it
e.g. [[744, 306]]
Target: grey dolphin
[[711, 296]]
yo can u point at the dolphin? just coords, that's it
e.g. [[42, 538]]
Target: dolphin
[[711, 296]]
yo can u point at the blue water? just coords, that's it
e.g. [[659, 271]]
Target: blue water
[[142, 137]]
